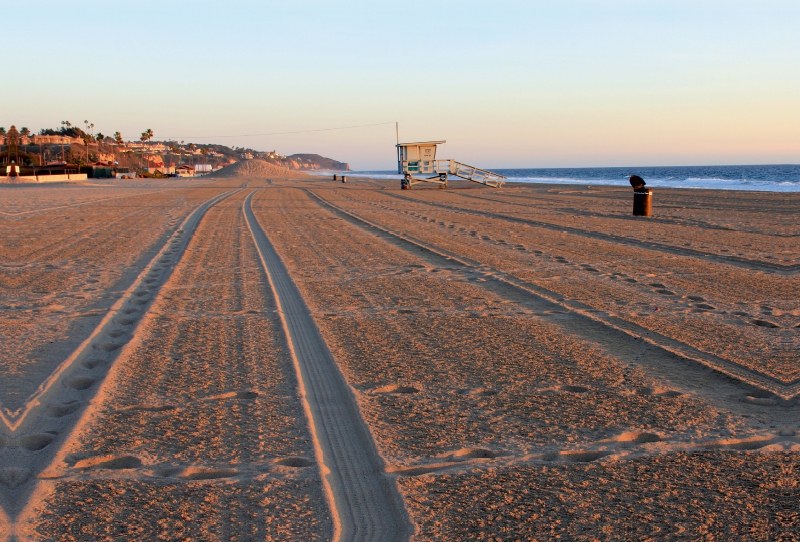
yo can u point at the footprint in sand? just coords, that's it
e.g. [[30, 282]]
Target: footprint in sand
[[61, 410], [94, 363], [659, 392], [474, 453], [80, 383], [759, 399], [637, 437], [582, 456], [483, 392], [573, 389], [37, 442], [201, 473], [244, 394], [294, 462], [395, 388], [740, 444], [764, 323], [113, 462]]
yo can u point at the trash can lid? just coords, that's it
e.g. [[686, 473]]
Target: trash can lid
[[636, 182]]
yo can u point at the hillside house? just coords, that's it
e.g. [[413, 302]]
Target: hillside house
[[184, 171], [54, 140]]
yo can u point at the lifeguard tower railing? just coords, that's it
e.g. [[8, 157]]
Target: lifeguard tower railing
[[452, 167]]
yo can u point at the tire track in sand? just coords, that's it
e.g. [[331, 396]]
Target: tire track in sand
[[31, 436], [365, 502], [746, 263], [597, 326]]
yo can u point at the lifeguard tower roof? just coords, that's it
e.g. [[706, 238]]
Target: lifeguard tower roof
[[418, 143]]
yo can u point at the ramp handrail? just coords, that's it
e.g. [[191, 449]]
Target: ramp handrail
[[470, 173], [451, 167]]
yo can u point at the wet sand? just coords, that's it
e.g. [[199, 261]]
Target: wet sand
[[531, 362]]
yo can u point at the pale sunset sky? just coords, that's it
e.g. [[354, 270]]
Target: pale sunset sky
[[559, 83]]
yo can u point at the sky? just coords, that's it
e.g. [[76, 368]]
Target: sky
[[508, 84]]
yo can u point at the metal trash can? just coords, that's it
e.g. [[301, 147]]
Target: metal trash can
[[643, 202], [344, 178], [335, 177]]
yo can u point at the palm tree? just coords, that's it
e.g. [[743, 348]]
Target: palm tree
[[24, 132], [66, 126], [86, 140], [204, 152], [118, 138]]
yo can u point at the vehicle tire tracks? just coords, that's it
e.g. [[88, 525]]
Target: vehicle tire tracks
[[33, 435], [365, 502], [583, 319], [753, 265]]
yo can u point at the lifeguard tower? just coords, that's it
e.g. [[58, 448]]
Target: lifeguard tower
[[420, 159]]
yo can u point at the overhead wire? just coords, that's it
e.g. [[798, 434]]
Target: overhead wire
[[175, 138]]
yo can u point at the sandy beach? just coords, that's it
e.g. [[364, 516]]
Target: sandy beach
[[265, 357]]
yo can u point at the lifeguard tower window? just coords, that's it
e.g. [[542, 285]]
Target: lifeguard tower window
[[420, 159]]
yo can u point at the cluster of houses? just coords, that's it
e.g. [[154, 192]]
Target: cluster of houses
[[179, 171], [151, 158], [128, 146], [43, 140]]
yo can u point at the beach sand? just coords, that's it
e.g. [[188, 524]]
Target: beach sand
[[530, 363]]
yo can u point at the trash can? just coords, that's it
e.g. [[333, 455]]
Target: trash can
[[335, 177], [643, 202], [344, 178]]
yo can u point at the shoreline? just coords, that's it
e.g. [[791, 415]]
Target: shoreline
[[776, 178]]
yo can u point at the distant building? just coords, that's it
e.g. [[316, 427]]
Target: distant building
[[166, 170], [21, 140], [202, 169], [52, 140], [185, 171]]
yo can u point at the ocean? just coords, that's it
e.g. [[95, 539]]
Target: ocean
[[770, 178]]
